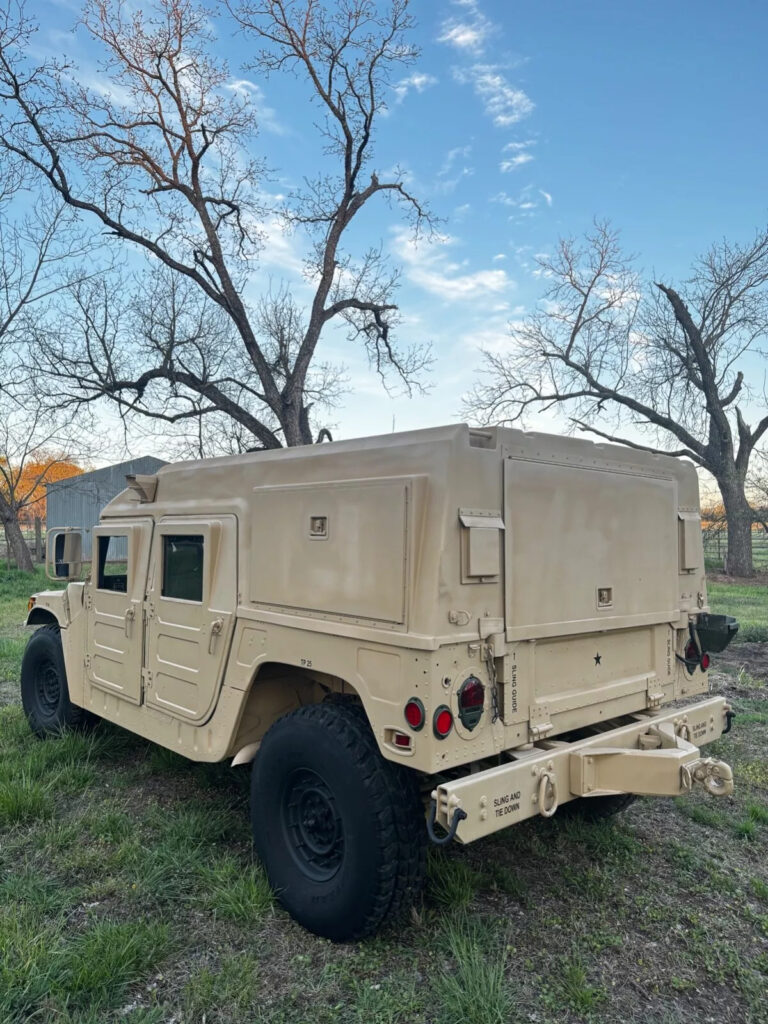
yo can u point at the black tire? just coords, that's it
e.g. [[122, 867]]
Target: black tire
[[44, 690], [596, 808], [339, 829]]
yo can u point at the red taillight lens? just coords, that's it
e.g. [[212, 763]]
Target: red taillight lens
[[414, 713], [402, 740], [695, 657], [442, 723], [471, 701]]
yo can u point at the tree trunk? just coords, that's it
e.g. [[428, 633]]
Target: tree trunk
[[17, 545], [738, 514]]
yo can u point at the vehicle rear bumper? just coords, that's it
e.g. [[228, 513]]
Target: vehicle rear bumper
[[658, 754]]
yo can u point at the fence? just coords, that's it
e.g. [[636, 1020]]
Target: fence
[[28, 533], [716, 547]]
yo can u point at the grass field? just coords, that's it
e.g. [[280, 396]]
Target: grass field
[[748, 602], [128, 893]]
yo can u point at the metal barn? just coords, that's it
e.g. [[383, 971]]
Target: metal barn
[[78, 500]]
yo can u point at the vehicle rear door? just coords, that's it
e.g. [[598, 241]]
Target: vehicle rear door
[[190, 613]]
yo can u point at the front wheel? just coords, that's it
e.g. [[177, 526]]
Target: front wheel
[[339, 829], [44, 690]]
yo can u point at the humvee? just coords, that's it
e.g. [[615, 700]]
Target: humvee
[[435, 634]]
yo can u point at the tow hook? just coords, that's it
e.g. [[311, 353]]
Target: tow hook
[[458, 816], [715, 776]]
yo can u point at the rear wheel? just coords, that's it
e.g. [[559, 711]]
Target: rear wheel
[[340, 830], [44, 690], [596, 808]]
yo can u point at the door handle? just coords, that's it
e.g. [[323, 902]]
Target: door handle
[[216, 627], [130, 615]]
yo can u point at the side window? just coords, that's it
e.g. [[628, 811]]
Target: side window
[[183, 567], [113, 564]]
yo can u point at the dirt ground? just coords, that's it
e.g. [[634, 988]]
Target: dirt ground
[[751, 658]]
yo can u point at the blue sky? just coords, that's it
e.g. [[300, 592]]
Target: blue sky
[[521, 121]]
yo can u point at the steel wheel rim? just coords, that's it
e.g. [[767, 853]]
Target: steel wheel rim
[[48, 686], [312, 825]]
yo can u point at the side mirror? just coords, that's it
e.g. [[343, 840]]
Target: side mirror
[[64, 554]]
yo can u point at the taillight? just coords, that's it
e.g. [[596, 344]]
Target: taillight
[[694, 657], [414, 714], [691, 655], [471, 701], [402, 740], [442, 723]]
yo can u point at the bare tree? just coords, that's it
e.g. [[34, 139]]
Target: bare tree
[[40, 247], [36, 444], [39, 251], [671, 363], [159, 158], [162, 350]]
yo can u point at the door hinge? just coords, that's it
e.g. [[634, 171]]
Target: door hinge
[[87, 662], [539, 723], [654, 696], [88, 598], [146, 676]]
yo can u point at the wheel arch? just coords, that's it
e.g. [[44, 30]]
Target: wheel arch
[[276, 689], [42, 617]]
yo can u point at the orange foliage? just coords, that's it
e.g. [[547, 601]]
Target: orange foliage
[[31, 483]]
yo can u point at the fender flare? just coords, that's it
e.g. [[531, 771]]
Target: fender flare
[[41, 617]]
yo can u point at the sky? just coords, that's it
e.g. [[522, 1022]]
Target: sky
[[520, 122]]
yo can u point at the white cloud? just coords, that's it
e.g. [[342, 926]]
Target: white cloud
[[465, 35], [522, 206], [429, 266], [451, 157], [469, 31], [525, 203], [266, 116], [453, 169], [504, 103], [499, 256], [514, 162], [418, 81], [281, 248], [492, 338]]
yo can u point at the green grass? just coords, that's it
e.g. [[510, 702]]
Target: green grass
[[129, 895], [452, 882], [475, 988], [15, 590], [748, 603]]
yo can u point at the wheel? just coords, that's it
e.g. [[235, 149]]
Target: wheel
[[44, 691], [596, 808], [339, 829]]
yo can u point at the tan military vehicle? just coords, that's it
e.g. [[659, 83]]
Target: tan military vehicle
[[441, 632]]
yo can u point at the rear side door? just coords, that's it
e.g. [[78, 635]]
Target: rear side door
[[114, 597], [190, 613]]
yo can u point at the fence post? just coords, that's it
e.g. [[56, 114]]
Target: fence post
[[39, 556]]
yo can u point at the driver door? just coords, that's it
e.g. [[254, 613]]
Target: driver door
[[114, 600]]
